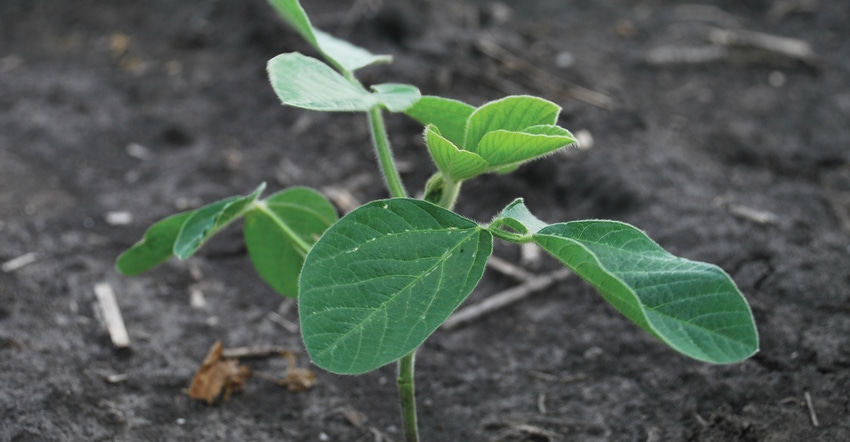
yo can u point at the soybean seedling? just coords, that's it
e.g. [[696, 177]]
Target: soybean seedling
[[373, 285]]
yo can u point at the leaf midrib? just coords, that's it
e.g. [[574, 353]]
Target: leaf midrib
[[383, 306]]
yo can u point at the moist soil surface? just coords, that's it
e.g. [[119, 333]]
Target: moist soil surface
[[722, 146]]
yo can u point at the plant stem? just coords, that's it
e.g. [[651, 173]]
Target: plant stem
[[442, 191], [385, 156], [407, 394], [406, 390]]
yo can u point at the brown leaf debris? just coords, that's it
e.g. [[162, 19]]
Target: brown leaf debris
[[218, 376]]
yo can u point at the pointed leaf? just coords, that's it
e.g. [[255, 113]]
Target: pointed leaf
[[156, 246], [383, 278], [448, 115], [396, 97], [305, 82], [455, 163], [308, 83], [279, 229], [513, 113], [208, 220], [502, 148], [346, 56], [517, 216], [692, 306]]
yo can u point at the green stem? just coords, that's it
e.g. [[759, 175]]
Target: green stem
[[385, 156], [407, 394], [442, 191]]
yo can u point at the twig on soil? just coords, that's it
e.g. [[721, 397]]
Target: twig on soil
[[19, 262], [283, 322], [687, 55], [812, 415], [540, 76], [541, 403], [508, 269], [762, 217], [258, 351], [342, 198], [112, 315], [787, 47], [279, 317], [504, 298], [700, 420], [782, 8]]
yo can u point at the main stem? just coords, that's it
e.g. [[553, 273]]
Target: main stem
[[385, 156], [407, 394], [406, 390]]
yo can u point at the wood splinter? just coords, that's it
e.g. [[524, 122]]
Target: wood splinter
[[812, 415], [505, 298], [112, 315]]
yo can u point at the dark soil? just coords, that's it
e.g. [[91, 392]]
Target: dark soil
[[735, 156]]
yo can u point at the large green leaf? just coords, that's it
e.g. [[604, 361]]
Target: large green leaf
[[280, 230], [208, 220], [692, 306], [514, 113], [448, 115], [346, 56], [383, 278], [455, 163], [308, 83], [156, 246]]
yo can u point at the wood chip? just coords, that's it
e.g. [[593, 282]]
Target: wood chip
[[112, 315], [118, 218], [761, 217], [196, 297], [19, 262], [812, 415], [116, 378], [138, 151]]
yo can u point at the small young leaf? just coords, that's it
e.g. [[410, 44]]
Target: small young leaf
[[208, 220], [694, 307], [346, 56], [448, 115], [305, 82], [455, 163], [396, 97], [156, 246], [383, 278], [279, 228], [514, 113], [517, 216], [501, 148]]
